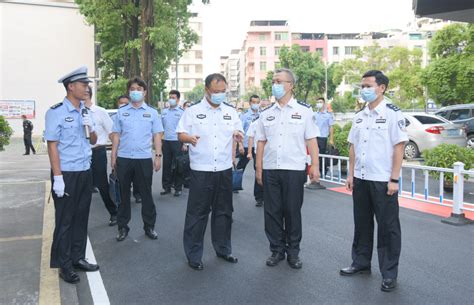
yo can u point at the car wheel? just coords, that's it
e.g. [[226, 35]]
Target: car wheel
[[470, 141], [411, 151]]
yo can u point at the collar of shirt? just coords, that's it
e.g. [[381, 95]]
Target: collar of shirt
[[70, 107], [93, 108], [380, 109], [130, 106], [291, 103], [208, 106]]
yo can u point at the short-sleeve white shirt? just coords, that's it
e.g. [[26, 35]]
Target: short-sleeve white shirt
[[103, 124]]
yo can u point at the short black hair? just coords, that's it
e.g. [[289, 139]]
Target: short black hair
[[253, 96], [138, 81], [321, 98], [90, 91], [215, 76], [178, 94], [380, 78], [123, 96]]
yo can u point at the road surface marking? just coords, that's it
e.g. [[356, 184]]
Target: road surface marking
[[16, 238], [96, 285]]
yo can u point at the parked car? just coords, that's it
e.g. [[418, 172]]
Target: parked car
[[457, 113], [426, 131], [469, 130], [111, 113]]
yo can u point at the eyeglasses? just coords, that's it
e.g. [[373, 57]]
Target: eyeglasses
[[280, 81]]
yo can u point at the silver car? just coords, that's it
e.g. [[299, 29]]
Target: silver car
[[426, 131]]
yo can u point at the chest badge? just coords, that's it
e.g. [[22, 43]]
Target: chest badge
[[201, 116], [358, 121], [270, 118], [379, 121], [296, 116], [69, 119], [126, 114], [147, 115], [227, 117]]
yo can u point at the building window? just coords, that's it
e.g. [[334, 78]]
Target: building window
[[186, 83], [335, 50], [263, 51], [186, 68], [320, 51], [262, 37], [350, 50], [198, 69], [305, 48], [277, 51], [263, 66], [281, 36], [173, 68], [198, 54]]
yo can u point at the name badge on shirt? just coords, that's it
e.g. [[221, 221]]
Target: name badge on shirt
[[378, 121], [270, 118], [126, 114], [177, 115], [296, 116], [147, 115], [358, 121], [69, 119], [201, 116], [227, 117]]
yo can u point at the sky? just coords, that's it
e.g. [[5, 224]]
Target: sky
[[225, 22]]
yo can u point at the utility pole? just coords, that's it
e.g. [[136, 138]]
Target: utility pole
[[326, 80], [177, 50]]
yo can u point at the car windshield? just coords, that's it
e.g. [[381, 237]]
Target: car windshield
[[424, 119]]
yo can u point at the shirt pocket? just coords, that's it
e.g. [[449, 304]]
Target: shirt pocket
[[269, 128], [200, 127], [69, 132], [296, 127], [380, 132]]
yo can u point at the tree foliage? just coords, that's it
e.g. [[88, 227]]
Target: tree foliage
[[402, 66], [5, 133], [137, 38], [196, 94], [450, 74]]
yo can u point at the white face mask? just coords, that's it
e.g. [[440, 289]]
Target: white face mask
[[319, 106]]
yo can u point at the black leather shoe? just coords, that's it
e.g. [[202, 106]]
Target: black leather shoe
[[69, 276], [165, 192], [196, 265], [388, 285], [354, 270], [113, 220], [177, 194], [294, 262], [84, 265], [259, 203], [151, 233], [275, 259], [122, 234], [138, 198], [229, 258]]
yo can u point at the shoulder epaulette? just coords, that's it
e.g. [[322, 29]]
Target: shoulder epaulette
[[57, 105], [180, 108], [304, 104], [123, 105], [393, 107], [255, 119], [195, 103], [268, 107], [88, 108], [230, 105]]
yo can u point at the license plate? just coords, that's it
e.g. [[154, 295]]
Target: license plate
[[453, 132]]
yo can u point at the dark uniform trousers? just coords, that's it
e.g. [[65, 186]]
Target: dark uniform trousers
[[257, 188], [208, 190], [28, 144], [283, 196], [322, 147], [171, 177], [370, 197], [243, 160], [141, 172], [99, 176], [71, 219]]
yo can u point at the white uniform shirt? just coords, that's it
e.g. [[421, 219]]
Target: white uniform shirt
[[286, 131], [215, 127], [103, 124], [374, 133], [252, 132]]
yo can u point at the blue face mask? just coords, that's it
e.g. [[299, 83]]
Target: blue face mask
[[254, 107], [278, 91], [136, 96], [218, 98], [368, 95], [172, 102]]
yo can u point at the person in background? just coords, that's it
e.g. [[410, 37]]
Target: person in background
[[27, 132]]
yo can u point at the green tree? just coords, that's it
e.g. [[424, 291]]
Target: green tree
[[137, 38], [5, 133], [307, 67], [196, 94], [344, 103], [251, 91], [450, 74]]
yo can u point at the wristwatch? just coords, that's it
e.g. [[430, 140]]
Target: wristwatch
[[393, 180]]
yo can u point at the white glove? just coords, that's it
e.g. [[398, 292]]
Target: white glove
[[87, 121], [58, 186]]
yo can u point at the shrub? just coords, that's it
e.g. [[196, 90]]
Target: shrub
[[445, 155], [5, 133], [340, 138]]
